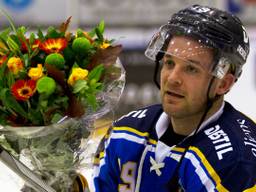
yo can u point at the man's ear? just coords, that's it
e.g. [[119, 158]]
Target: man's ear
[[225, 84]]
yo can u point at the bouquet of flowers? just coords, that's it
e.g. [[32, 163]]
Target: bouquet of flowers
[[53, 85]]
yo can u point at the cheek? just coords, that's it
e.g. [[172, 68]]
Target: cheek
[[163, 77], [198, 90]]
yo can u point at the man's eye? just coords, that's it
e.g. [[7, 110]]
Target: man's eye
[[169, 62], [191, 69]]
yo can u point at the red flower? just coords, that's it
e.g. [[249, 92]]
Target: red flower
[[34, 45], [3, 59], [53, 45], [22, 90]]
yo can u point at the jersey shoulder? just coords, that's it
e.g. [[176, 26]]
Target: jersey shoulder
[[230, 140], [232, 132], [226, 148], [143, 119]]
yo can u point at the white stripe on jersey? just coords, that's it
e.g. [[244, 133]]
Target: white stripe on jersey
[[205, 180], [128, 137], [175, 156]]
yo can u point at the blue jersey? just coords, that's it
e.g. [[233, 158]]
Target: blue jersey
[[221, 157]]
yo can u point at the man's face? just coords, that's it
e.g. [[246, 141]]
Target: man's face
[[185, 77]]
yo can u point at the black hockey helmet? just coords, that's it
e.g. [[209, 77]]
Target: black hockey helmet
[[212, 27]]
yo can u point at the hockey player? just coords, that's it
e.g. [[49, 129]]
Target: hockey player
[[194, 141]]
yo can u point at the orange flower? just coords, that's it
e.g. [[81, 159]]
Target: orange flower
[[15, 64], [3, 59], [34, 45], [22, 90], [54, 45]]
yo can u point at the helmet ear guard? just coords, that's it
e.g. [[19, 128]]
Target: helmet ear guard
[[221, 68]]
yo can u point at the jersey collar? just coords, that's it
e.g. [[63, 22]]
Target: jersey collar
[[163, 121]]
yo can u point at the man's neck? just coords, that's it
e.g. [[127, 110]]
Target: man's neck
[[186, 125]]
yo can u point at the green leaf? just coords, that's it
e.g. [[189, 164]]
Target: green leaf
[[22, 30], [79, 86], [10, 102], [2, 73], [62, 99], [80, 33], [53, 33], [91, 99], [99, 34], [56, 117], [75, 65], [34, 53], [9, 19], [26, 60], [32, 38], [21, 34], [35, 117], [12, 44], [101, 27], [97, 86], [43, 102], [4, 34], [92, 33], [40, 35], [69, 55], [96, 73], [10, 79]]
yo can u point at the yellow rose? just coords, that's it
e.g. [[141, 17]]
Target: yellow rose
[[36, 73], [15, 64], [77, 74]]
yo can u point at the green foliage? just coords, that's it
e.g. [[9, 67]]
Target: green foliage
[[96, 73], [58, 52], [11, 104]]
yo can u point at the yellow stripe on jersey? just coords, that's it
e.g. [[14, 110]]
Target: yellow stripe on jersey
[[152, 141], [178, 149], [129, 129], [210, 169], [253, 189]]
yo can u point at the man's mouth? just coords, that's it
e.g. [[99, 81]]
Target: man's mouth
[[174, 94]]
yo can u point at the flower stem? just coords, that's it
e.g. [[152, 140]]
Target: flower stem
[[28, 103]]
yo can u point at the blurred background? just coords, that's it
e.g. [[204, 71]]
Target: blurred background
[[132, 23]]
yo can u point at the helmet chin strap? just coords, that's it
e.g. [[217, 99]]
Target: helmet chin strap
[[157, 64], [173, 184]]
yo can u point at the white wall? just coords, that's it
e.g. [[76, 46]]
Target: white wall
[[243, 94]]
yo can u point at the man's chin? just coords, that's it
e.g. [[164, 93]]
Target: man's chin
[[173, 111]]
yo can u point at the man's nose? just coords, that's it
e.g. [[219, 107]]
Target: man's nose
[[175, 76]]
